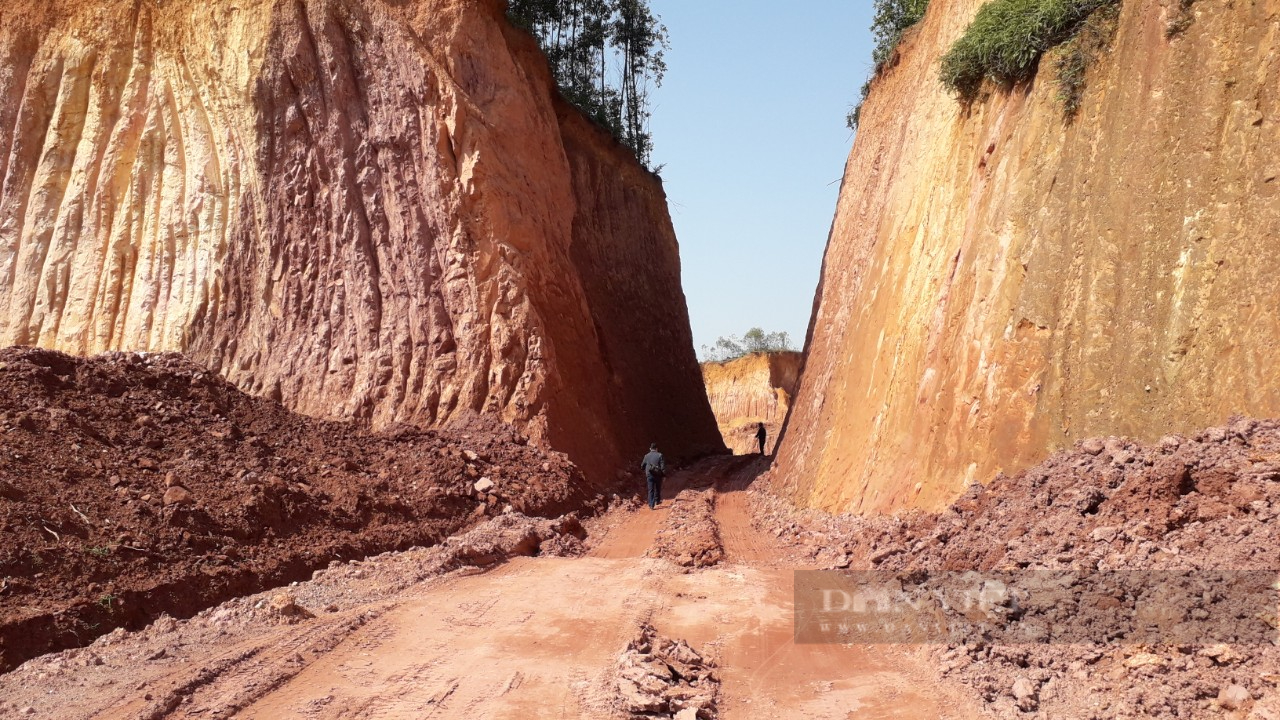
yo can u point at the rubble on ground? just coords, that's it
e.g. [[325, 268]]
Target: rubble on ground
[[690, 536], [139, 484], [514, 535], [1187, 526], [662, 678]]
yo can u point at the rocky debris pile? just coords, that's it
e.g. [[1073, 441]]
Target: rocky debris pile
[[663, 678], [690, 537], [133, 485], [517, 535], [1133, 580]]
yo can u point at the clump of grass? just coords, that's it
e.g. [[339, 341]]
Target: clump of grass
[[891, 21], [1181, 20], [1082, 51], [855, 113], [1006, 39]]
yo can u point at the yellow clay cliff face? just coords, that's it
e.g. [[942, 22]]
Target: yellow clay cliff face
[[749, 390], [1000, 283], [377, 210]]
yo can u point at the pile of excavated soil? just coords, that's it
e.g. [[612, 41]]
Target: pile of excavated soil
[[690, 536], [658, 677], [134, 485], [1119, 579]]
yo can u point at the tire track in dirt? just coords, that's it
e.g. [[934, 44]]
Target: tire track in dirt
[[221, 688], [743, 543], [533, 638], [633, 535], [743, 609], [483, 646]]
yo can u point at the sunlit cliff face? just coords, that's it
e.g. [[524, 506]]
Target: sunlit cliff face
[[376, 210], [751, 390], [1001, 282]]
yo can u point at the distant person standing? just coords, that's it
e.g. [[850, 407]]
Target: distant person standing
[[655, 468], [761, 434]]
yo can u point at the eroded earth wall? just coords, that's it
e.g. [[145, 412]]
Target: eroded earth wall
[[752, 389], [373, 210], [1001, 281]]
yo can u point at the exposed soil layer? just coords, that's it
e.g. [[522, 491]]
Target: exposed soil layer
[[1001, 282], [134, 485], [365, 209], [1124, 534], [750, 390]]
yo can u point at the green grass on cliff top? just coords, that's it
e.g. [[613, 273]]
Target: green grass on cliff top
[[1006, 39]]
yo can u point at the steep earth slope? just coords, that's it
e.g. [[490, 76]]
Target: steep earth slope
[[752, 389], [371, 210], [1001, 282]]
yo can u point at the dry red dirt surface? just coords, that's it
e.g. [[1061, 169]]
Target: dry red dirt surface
[[1159, 562], [134, 485], [686, 611], [454, 631]]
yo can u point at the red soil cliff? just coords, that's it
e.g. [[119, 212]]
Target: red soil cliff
[[1001, 282], [374, 210], [749, 390]]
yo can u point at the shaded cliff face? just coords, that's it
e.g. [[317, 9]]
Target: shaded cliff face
[[374, 210], [999, 283], [749, 390]]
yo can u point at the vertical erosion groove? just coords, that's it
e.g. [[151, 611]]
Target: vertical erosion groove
[[364, 210], [999, 285]]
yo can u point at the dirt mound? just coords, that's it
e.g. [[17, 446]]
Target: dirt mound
[[663, 678], [134, 485], [1152, 569], [691, 536], [514, 535]]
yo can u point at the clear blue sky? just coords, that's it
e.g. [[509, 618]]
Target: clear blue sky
[[749, 124]]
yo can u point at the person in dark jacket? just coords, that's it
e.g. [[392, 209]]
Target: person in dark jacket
[[655, 468], [761, 434]]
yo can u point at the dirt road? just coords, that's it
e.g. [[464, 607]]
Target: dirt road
[[536, 637]]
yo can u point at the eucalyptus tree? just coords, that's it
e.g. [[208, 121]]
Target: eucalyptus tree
[[606, 56]]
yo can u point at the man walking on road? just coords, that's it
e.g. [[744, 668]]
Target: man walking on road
[[761, 434], [654, 467]]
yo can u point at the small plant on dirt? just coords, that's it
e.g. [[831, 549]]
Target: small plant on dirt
[[108, 602], [103, 551], [1006, 39], [1077, 55], [1181, 20]]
